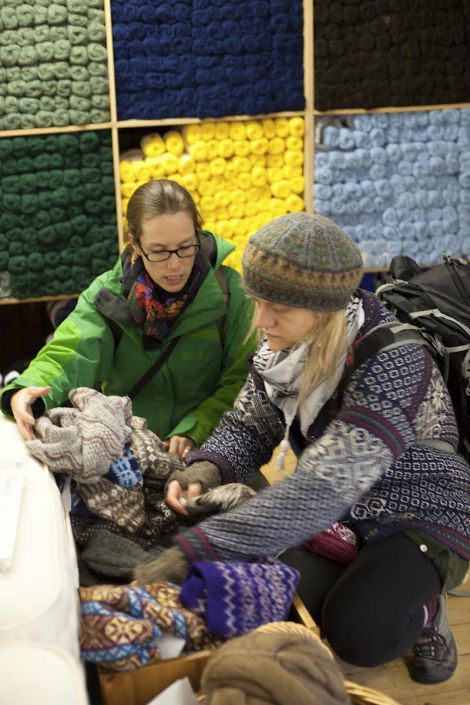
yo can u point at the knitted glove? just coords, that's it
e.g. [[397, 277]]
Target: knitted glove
[[172, 566], [207, 474], [83, 441], [59, 448], [218, 499]]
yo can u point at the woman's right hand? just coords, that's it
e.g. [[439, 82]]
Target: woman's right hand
[[195, 480], [21, 404]]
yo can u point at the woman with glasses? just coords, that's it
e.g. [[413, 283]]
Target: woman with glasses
[[168, 295]]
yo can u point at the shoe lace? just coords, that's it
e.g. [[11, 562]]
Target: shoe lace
[[430, 644]]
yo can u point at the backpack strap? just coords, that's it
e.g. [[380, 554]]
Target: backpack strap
[[222, 282], [385, 336], [152, 371]]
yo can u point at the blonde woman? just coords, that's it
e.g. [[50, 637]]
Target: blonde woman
[[375, 516]]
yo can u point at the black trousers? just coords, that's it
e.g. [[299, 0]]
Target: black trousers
[[370, 611]]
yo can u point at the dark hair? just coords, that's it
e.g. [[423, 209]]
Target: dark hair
[[158, 197]]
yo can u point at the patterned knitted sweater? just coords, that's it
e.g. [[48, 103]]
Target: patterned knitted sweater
[[366, 465]]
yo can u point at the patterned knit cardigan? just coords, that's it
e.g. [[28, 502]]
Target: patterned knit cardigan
[[366, 466]]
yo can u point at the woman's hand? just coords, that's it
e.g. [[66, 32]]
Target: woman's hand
[[21, 404], [181, 445], [192, 482]]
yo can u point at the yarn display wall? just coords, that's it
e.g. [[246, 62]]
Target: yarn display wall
[[399, 183], [241, 174], [53, 64], [391, 53], [201, 58], [57, 212]]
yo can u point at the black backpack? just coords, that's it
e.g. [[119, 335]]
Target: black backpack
[[437, 302]]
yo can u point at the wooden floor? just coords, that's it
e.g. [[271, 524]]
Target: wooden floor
[[393, 679]]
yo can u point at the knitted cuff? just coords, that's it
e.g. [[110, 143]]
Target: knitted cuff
[[207, 474], [196, 545]]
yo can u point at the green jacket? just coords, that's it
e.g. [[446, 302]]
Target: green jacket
[[192, 389]]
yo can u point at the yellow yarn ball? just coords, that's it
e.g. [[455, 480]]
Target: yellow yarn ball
[[295, 143], [290, 172], [186, 164], [128, 188], [236, 210], [156, 166], [294, 203], [297, 184], [258, 176], [242, 163], [226, 147], [126, 171], [241, 148], [152, 145], [221, 130], [217, 166], [269, 128], [277, 207], [254, 131], [251, 208], [282, 127], [293, 158], [276, 146], [258, 159], [208, 130], [202, 171], [237, 131], [170, 163], [198, 151], [174, 142], [212, 147], [274, 174], [238, 196], [192, 133], [190, 181], [281, 189], [124, 204], [275, 160], [222, 199], [231, 169], [244, 179], [296, 126], [207, 204], [259, 146], [206, 188]]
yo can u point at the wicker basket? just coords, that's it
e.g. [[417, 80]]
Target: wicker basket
[[360, 695]]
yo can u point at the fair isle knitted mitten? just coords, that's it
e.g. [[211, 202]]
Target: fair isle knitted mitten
[[84, 440], [235, 598], [155, 462], [121, 505]]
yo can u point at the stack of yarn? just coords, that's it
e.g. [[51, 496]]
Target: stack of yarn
[[241, 174], [201, 58], [57, 212], [398, 183], [53, 64], [391, 52]]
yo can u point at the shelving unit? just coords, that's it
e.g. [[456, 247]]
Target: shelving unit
[[116, 126]]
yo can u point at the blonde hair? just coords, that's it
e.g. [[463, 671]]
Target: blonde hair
[[329, 345]]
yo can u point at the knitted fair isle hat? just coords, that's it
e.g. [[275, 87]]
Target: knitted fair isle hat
[[303, 261]]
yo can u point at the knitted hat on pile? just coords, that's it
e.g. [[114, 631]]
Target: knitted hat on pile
[[303, 261]]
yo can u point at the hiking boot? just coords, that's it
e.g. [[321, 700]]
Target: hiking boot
[[435, 652]]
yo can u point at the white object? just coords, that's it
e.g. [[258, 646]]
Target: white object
[[11, 490], [178, 693], [34, 673], [38, 594]]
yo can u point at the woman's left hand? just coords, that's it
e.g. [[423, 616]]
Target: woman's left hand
[[181, 445]]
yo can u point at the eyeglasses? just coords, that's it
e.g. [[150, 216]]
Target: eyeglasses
[[164, 255]]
